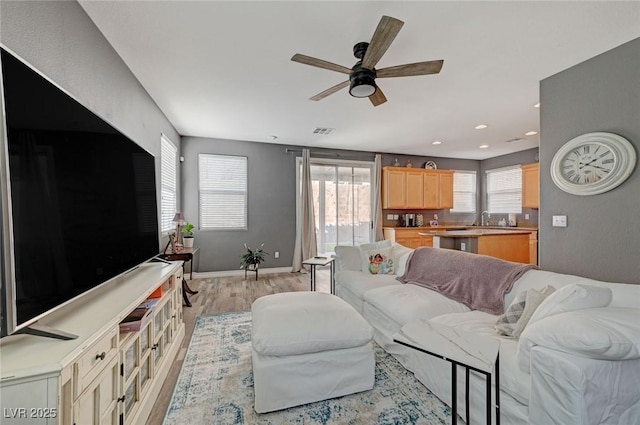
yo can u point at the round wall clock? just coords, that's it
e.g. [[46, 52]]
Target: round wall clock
[[593, 163], [430, 165]]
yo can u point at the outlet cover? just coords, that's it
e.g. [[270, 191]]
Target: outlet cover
[[559, 221]]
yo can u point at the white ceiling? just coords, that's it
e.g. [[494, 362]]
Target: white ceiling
[[223, 69]]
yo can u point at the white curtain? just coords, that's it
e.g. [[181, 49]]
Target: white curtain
[[306, 245], [377, 200]]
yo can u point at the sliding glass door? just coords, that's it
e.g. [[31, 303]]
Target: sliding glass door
[[342, 193]]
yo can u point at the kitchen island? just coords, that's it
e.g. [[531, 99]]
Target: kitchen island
[[508, 244]]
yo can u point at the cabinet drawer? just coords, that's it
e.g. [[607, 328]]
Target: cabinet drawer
[[94, 360]]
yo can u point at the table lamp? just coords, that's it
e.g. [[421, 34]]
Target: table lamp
[[179, 221]]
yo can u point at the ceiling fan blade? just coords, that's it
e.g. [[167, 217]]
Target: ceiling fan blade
[[377, 98], [330, 91], [382, 38], [308, 60], [411, 69]]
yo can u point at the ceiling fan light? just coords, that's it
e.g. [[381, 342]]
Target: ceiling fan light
[[362, 87]]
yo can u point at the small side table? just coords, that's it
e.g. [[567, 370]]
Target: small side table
[[185, 256], [320, 261], [460, 348]]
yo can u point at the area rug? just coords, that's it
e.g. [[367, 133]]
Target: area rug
[[215, 386]]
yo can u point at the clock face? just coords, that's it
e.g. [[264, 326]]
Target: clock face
[[588, 163], [593, 163]]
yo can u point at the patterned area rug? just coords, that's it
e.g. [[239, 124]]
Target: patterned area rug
[[215, 386]]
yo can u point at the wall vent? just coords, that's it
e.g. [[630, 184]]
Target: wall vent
[[323, 131]]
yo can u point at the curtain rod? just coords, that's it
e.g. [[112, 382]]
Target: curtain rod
[[334, 154]]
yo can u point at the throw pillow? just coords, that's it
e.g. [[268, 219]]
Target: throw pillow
[[380, 261], [518, 314], [572, 297], [364, 248]]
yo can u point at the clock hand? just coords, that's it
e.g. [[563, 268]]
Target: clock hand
[[584, 165]]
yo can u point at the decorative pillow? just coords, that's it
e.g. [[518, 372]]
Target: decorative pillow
[[364, 248], [401, 264], [380, 261], [518, 314], [397, 252], [572, 297]]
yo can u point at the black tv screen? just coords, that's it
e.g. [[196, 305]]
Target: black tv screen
[[83, 196]]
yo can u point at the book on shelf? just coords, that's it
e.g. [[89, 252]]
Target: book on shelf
[[139, 317]]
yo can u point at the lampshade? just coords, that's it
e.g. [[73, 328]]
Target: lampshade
[[363, 83], [178, 219]]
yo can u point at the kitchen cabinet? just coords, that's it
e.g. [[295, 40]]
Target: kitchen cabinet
[[531, 185], [416, 188], [409, 237]]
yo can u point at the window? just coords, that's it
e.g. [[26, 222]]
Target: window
[[464, 192], [342, 193], [504, 190], [222, 191], [168, 184]]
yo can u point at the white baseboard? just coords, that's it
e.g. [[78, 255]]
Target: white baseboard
[[198, 275]]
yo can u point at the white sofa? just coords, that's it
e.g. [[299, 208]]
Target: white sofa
[[577, 362]]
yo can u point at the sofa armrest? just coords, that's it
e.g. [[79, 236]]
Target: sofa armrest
[[606, 333], [567, 389]]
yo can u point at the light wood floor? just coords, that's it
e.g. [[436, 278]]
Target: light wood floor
[[223, 295]]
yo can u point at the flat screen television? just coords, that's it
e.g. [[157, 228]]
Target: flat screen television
[[81, 198]]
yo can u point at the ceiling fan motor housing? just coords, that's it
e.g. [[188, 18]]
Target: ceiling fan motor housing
[[363, 82], [359, 49]]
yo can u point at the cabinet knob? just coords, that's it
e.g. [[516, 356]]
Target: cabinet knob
[[101, 356], [120, 399]]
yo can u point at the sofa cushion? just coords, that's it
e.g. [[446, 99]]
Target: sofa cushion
[[404, 302], [512, 379], [364, 248], [351, 285], [292, 323], [348, 258], [517, 315], [572, 297]]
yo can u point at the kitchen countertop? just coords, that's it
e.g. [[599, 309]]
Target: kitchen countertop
[[476, 232], [453, 227]]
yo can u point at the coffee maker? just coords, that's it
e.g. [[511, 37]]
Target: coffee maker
[[409, 220]]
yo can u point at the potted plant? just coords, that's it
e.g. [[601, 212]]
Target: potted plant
[[251, 259], [187, 235]]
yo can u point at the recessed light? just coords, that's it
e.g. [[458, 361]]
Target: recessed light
[[481, 126], [530, 133], [436, 142], [484, 146], [537, 105]]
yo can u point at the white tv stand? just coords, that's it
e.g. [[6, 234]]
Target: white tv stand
[[103, 376]]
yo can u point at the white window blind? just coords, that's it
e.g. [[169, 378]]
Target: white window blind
[[504, 190], [222, 191], [168, 183], [464, 192]]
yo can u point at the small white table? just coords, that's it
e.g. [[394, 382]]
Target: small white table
[[475, 352], [320, 261]]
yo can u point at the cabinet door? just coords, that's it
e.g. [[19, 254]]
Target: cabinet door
[[531, 186], [97, 404], [415, 189], [426, 241], [394, 188], [431, 190], [446, 190]]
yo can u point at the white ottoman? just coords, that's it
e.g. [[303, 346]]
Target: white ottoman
[[308, 346]]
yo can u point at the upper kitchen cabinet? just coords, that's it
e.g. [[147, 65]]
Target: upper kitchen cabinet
[[416, 188], [531, 185]]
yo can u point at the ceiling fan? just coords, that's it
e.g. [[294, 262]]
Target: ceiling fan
[[363, 74]]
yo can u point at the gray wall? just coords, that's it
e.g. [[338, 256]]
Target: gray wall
[[58, 39], [602, 239], [271, 204]]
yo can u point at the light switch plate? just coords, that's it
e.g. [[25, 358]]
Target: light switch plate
[[559, 221]]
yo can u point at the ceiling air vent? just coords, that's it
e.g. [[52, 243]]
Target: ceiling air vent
[[323, 131], [517, 139]]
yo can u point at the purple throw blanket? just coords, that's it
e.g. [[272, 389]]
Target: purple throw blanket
[[477, 281]]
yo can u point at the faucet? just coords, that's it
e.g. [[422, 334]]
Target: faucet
[[482, 222]]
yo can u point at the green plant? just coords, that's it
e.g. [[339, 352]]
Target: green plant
[[252, 257], [187, 229]]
